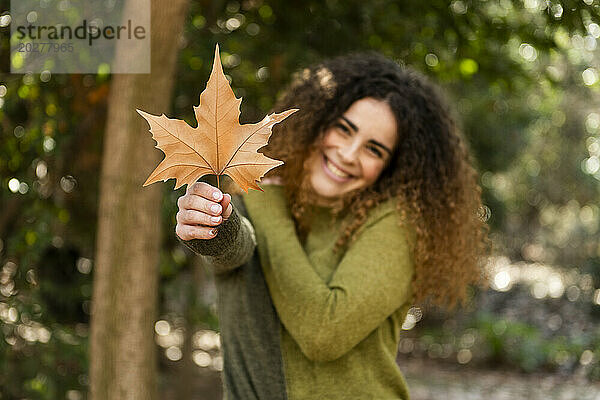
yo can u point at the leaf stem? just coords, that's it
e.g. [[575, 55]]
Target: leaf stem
[[218, 187]]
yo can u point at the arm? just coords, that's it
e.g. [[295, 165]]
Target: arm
[[232, 247], [327, 319]]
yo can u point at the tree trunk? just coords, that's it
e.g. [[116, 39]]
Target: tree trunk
[[122, 348]]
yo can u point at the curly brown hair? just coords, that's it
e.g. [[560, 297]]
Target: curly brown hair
[[430, 173]]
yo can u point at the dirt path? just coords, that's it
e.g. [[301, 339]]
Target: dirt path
[[434, 381]]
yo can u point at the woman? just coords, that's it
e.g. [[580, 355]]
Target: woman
[[375, 209]]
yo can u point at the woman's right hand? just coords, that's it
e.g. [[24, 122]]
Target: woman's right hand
[[201, 210]]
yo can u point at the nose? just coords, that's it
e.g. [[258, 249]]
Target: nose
[[348, 151]]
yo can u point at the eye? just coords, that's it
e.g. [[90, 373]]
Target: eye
[[375, 151], [342, 128]]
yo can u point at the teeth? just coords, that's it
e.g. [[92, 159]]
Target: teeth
[[336, 170]]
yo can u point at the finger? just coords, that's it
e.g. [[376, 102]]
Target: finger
[[194, 202], [226, 200], [228, 211], [205, 190], [189, 232], [195, 217]]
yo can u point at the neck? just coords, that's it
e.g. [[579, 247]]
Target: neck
[[327, 202]]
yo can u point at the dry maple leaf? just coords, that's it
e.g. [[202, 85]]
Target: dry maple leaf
[[219, 144]]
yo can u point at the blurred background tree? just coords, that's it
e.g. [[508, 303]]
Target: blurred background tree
[[122, 357], [522, 76]]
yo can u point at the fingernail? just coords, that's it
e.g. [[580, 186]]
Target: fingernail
[[215, 208], [213, 231], [215, 219], [217, 196]]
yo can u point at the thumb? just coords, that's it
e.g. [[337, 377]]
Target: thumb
[[227, 206]]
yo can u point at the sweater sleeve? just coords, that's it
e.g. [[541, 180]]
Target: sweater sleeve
[[232, 247], [327, 319]]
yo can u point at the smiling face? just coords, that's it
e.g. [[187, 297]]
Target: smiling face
[[354, 150]]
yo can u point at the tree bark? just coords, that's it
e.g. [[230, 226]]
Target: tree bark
[[122, 349]]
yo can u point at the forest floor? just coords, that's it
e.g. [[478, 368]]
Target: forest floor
[[430, 380]]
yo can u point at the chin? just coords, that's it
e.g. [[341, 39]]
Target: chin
[[323, 188]]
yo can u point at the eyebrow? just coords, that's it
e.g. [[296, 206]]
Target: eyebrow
[[375, 142]]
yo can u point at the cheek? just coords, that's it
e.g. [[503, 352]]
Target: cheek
[[330, 139], [372, 169]]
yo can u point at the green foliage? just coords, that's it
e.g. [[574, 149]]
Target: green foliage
[[499, 342], [512, 70]]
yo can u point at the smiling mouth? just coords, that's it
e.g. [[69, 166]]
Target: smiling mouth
[[334, 172]]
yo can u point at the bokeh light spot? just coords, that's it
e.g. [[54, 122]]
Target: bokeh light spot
[[162, 327], [201, 358], [592, 122], [84, 265], [528, 52], [586, 357], [41, 170], [431, 60], [173, 353], [590, 76], [594, 30], [458, 7], [468, 67], [502, 281], [13, 185], [464, 356], [48, 144], [23, 188], [253, 29], [5, 20]]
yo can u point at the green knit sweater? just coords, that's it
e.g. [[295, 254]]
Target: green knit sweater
[[340, 313]]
